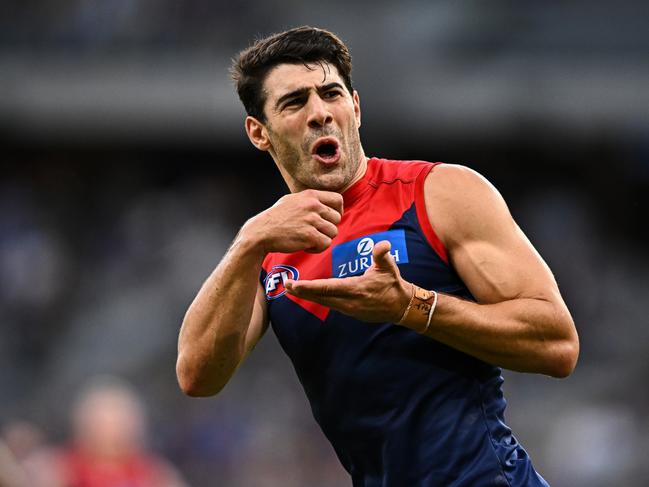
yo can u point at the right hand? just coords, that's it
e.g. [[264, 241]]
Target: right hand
[[299, 221]]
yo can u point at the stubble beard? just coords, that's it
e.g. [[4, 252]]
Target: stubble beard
[[307, 173]]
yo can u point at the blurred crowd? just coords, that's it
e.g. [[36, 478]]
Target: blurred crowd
[[96, 274], [117, 200], [98, 263], [107, 446]]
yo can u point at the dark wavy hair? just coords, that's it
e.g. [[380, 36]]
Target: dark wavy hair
[[301, 45]]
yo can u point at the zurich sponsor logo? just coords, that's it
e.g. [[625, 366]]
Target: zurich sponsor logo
[[365, 246], [275, 279], [355, 257]]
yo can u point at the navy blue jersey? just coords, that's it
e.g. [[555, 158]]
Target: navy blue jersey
[[399, 408]]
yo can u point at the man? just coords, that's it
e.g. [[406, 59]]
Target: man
[[109, 445], [397, 288]]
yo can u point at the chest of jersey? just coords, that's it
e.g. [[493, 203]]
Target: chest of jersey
[[385, 207], [391, 401]]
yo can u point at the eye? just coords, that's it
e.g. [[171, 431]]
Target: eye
[[332, 94], [293, 102]]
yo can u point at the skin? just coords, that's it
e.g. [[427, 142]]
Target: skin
[[303, 105], [229, 314], [519, 321]]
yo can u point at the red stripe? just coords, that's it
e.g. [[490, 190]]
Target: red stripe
[[367, 213], [310, 266], [319, 311], [422, 215]]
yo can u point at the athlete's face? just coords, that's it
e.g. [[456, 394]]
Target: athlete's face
[[311, 127]]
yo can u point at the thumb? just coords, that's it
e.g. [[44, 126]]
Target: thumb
[[381, 255]]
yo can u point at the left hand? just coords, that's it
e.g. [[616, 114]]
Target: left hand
[[379, 295]]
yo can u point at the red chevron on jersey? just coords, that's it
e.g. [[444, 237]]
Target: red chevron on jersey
[[371, 206], [306, 266], [393, 403]]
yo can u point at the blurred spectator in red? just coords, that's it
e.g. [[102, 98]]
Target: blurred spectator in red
[[109, 444]]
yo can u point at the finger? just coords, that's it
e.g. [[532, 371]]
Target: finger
[[344, 305], [382, 257], [317, 242], [330, 214], [323, 288], [331, 199], [326, 227]]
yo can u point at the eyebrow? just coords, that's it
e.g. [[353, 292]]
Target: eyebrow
[[303, 91]]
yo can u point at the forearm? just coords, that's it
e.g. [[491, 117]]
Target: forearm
[[523, 334], [224, 320], [211, 343]]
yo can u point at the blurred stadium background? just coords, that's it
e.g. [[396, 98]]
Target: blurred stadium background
[[126, 172]]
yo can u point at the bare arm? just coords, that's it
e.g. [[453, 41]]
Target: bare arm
[[227, 318], [228, 315], [519, 322]]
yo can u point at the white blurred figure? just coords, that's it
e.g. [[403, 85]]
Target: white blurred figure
[[109, 442]]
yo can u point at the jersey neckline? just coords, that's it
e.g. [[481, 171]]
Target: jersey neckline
[[354, 192]]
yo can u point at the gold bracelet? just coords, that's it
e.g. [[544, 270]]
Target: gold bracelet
[[412, 297]]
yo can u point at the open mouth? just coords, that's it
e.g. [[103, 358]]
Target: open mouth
[[326, 150]]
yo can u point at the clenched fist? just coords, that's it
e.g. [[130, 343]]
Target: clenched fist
[[299, 221]]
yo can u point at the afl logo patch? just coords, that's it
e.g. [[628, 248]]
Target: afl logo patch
[[275, 279]]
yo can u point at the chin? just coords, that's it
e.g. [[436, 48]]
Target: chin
[[329, 183]]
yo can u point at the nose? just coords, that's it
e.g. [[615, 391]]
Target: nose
[[319, 113]]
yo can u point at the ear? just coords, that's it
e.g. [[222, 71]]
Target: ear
[[357, 107], [257, 133]]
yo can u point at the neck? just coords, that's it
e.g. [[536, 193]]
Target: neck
[[360, 172], [294, 186]]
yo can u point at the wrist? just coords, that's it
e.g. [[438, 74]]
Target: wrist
[[251, 241], [418, 313]]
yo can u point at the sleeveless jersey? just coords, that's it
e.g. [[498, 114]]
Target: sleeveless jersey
[[399, 408]]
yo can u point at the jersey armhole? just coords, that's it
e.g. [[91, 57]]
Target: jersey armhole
[[422, 215], [262, 276]]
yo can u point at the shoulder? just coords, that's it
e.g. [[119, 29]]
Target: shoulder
[[390, 170], [461, 203], [453, 178]]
